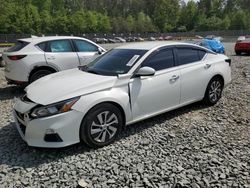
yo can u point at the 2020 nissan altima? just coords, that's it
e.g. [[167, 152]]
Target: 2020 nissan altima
[[33, 58], [127, 84]]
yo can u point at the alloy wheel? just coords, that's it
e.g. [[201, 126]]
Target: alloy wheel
[[215, 91], [104, 126]]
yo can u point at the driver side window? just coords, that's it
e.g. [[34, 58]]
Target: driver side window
[[161, 60]]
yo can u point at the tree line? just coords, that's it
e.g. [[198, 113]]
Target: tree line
[[121, 16]]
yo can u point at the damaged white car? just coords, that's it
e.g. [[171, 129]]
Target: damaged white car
[[128, 84]]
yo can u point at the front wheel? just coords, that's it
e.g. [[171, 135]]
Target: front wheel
[[213, 91], [238, 52], [101, 125]]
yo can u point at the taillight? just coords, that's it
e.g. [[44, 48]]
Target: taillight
[[228, 61], [16, 57]]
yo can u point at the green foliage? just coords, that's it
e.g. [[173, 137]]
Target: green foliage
[[240, 20], [123, 16], [188, 15], [166, 14]]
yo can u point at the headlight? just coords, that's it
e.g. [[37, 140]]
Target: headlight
[[53, 109]]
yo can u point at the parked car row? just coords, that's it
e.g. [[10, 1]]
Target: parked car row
[[118, 40], [131, 39], [214, 43], [33, 58]]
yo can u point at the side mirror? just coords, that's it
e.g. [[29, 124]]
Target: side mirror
[[145, 71], [100, 51]]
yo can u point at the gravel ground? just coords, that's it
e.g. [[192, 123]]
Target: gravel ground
[[195, 146]]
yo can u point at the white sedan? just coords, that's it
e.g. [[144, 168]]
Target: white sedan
[[128, 84], [33, 58]]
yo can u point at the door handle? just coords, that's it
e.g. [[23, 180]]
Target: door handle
[[174, 78], [51, 58], [207, 66]]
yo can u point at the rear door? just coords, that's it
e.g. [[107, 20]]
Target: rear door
[[86, 51], [61, 54], [194, 73]]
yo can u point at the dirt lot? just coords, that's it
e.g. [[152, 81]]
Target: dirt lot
[[195, 146]]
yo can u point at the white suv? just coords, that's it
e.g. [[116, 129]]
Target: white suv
[[33, 58]]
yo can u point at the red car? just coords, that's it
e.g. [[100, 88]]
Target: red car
[[242, 45]]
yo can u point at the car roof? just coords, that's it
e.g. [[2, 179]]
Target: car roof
[[47, 38], [151, 45]]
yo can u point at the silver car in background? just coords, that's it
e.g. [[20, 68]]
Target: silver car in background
[[33, 58]]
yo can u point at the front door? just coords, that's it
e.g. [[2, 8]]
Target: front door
[[158, 93], [86, 51]]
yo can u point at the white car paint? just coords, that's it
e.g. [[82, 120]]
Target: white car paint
[[139, 97], [18, 71]]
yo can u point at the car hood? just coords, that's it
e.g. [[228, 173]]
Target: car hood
[[67, 84]]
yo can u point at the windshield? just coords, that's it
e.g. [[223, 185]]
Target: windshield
[[114, 62]]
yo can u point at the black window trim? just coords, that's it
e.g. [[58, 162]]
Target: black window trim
[[76, 48]]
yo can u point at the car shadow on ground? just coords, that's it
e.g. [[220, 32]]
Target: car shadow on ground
[[241, 55], [16, 153], [9, 92]]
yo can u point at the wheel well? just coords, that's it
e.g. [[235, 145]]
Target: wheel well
[[220, 77], [41, 68], [121, 110]]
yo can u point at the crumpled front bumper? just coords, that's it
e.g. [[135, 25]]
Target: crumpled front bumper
[[34, 131]]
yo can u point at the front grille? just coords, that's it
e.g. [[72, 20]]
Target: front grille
[[52, 138]]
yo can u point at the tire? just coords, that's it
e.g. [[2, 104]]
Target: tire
[[238, 52], [94, 129], [2, 64], [213, 91], [39, 74]]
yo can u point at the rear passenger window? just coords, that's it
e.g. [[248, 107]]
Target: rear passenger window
[[188, 55], [60, 46], [162, 60]]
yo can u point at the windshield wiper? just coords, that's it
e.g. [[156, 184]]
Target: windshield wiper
[[92, 71], [85, 68]]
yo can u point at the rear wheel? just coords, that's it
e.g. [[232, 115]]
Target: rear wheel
[[213, 91], [39, 74], [238, 52], [1, 62], [101, 125]]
